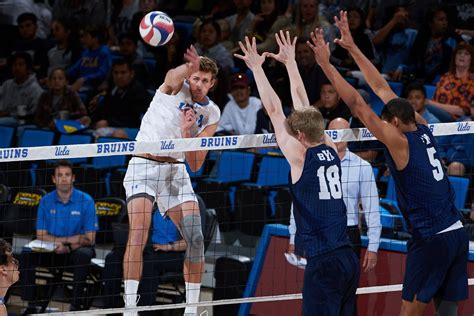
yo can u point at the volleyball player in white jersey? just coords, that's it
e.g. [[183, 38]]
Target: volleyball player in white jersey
[[179, 109]]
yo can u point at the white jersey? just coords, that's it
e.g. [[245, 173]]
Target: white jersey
[[162, 119]]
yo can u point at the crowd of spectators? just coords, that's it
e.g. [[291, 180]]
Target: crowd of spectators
[[85, 60]]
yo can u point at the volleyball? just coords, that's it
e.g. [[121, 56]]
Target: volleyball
[[156, 28]]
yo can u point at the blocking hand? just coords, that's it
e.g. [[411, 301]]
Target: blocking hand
[[251, 57]]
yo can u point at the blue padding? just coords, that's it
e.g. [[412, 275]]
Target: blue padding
[[268, 232], [6, 136], [36, 137], [461, 187]]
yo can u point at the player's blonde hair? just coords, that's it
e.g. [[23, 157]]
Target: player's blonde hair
[[308, 121], [206, 64]]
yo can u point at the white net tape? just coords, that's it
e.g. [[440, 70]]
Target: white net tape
[[273, 298], [167, 146]]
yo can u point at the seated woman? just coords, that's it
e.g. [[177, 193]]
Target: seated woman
[[266, 23], [433, 46], [59, 102], [455, 90], [208, 45]]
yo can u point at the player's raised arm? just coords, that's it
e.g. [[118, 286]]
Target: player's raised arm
[[286, 56], [375, 80], [383, 131], [175, 77], [291, 147]]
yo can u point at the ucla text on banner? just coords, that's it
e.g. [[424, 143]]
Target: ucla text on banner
[[168, 146]]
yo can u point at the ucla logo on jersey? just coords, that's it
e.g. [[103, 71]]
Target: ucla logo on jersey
[[325, 155]]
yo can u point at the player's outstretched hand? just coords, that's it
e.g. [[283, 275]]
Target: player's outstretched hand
[[320, 47], [346, 40], [251, 57], [191, 57], [287, 48]]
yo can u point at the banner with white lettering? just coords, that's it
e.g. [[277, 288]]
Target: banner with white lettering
[[168, 146]]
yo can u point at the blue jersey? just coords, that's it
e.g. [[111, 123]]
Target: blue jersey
[[320, 212], [425, 196]]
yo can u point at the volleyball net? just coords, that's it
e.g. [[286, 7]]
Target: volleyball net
[[245, 207]]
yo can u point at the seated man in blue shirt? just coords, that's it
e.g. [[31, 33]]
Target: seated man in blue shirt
[[165, 255], [68, 218]]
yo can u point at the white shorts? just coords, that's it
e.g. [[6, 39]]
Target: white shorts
[[168, 183]]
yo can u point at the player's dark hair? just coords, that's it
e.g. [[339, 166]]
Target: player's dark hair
[[399, 108]]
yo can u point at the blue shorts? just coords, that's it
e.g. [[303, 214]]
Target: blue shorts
[[330, 283], [437, 267]]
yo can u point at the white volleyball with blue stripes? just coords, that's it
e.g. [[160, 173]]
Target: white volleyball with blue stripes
[[156, 28]]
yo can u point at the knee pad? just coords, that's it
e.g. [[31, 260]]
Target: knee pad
[[192, 234]]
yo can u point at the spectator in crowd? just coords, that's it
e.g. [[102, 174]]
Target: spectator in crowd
[[121, 18], [81, 13], [94, 64], [128, 51], [208, 45], [455, 90], [394, 42], [123, 104], [266, 23], [19, 95], [356, 21], [66, 217], [67, 49], [308, 18], [59, 102], [165, 254], [30, 43], [241, 21], [331, 105], [380, 11], [433, 46], [240, 113], [9, 273], [45, 17], [310, 72], [416, 95], [225, 34]]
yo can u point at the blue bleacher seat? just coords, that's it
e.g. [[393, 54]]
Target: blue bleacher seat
[[131, 132], [233, 166], [150, 64], [430, 90], [273, 171], [36, 137], [6, 136], [185, 29], [461, 187]]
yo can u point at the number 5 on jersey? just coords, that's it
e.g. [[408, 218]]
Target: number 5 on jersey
[[329, 183]]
